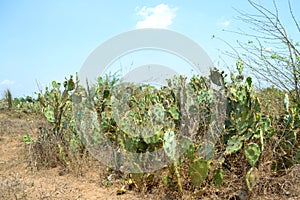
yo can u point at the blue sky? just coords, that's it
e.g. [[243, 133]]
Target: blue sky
[[41, 41]]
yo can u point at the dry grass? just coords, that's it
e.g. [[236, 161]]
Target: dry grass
[[36, 172]]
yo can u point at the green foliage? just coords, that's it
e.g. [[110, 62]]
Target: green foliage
[[240, 66], [252, 153], [234, 144], [289, 133], [297, 157], [198, 171], [245, 121], [218, 177], [56, 104], [174, 112], [49, 114], [27, 105], [16, 101], [170, 144], [27, 139], [142, 118]]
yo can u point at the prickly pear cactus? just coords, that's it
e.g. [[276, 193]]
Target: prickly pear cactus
[[158, 113], [252, 153], [251, 178], [49, 114], [198, 171], [218, 177], [170, 144], [207, 150], [174, 112], [234, 144]]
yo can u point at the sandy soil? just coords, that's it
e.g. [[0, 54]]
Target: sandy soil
[[19, 181]]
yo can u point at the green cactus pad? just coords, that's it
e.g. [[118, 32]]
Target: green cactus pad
[[252, 153], [198, 171]]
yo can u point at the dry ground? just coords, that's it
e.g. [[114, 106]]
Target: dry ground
[[20, 181]]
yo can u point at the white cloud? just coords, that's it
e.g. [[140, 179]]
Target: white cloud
[[223, 22], [160, 16], [7, 82], [268, 49]]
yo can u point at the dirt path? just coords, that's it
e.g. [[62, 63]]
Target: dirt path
[[19, 181]]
